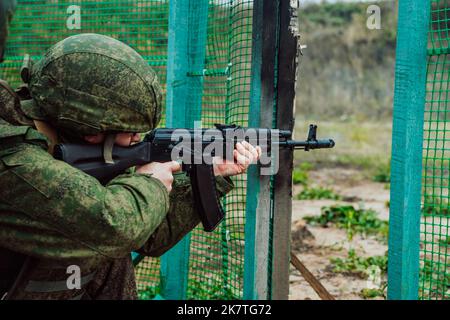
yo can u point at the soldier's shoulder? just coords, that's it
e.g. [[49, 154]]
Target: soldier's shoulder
[[9, 130], [21, 144], [12, 136], [22, 154]]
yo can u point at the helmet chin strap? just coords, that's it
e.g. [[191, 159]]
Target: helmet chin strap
[[108, 148]]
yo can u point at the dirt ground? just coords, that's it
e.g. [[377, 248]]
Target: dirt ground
[[314, 245]]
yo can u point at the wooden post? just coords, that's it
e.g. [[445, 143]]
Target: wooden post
[[186, 56], [273, 88], [407, 141], [287, 67]]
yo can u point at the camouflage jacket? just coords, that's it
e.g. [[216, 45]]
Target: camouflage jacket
[[61, 216]]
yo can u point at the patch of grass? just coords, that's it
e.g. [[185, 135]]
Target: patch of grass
[[369, 154], [434, 281], [368, 293], [306, 166], [362, 162], [300, 174], [215, 286], [357, 265], [353, 220], [149, 293], [363, 267], [435, 207], [382, 173], [300, 177], [445, 242], [317, 194], [211, 289]]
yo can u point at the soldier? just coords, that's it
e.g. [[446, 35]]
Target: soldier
[[7, 8], [55, 219]]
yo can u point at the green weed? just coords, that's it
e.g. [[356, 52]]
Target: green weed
[[317, 193], [300, 177], [435, 206], [367, 293], [382, 173], [149, 293], [354, 221], [445, 242], [360, 267], [212, 289], [357, 265], [300, 174], [434, 281]]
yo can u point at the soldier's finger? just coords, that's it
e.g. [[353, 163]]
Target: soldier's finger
[[242, 160], [253, 151], [175, 166], [243, 151], [259, 150]]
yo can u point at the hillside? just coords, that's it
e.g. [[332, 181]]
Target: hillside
[[347, 70]]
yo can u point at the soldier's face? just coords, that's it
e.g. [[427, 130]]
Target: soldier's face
[[123, 139]]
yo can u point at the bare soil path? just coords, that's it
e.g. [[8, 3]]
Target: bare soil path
[[314, 245]]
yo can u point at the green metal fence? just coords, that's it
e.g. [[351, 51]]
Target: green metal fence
[[435, 223], [419, 242], [202, 53]]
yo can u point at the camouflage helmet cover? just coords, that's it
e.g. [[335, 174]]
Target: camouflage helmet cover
[[91, 83]]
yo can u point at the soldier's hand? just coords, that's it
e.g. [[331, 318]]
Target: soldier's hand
[[244, 155], [161, 171]]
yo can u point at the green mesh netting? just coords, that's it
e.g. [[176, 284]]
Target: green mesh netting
[[216, 263], [435, 223]]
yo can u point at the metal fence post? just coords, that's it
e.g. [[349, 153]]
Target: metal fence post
[[186, 56], [407, 141]]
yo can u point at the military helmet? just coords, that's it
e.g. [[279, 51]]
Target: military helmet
[[7, 8], [91, 83]]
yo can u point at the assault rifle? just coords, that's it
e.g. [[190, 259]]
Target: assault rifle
[[195, 148]]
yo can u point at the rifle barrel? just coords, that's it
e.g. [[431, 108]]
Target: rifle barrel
[[308, 145]]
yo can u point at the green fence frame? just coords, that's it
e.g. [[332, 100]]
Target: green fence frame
[[407, 140], [273, 67], [183, 108]]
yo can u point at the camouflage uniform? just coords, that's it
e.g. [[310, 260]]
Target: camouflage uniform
[[58, 215]]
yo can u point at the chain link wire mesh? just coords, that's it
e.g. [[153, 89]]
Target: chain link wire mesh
[[435, 223], [216, 264]]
